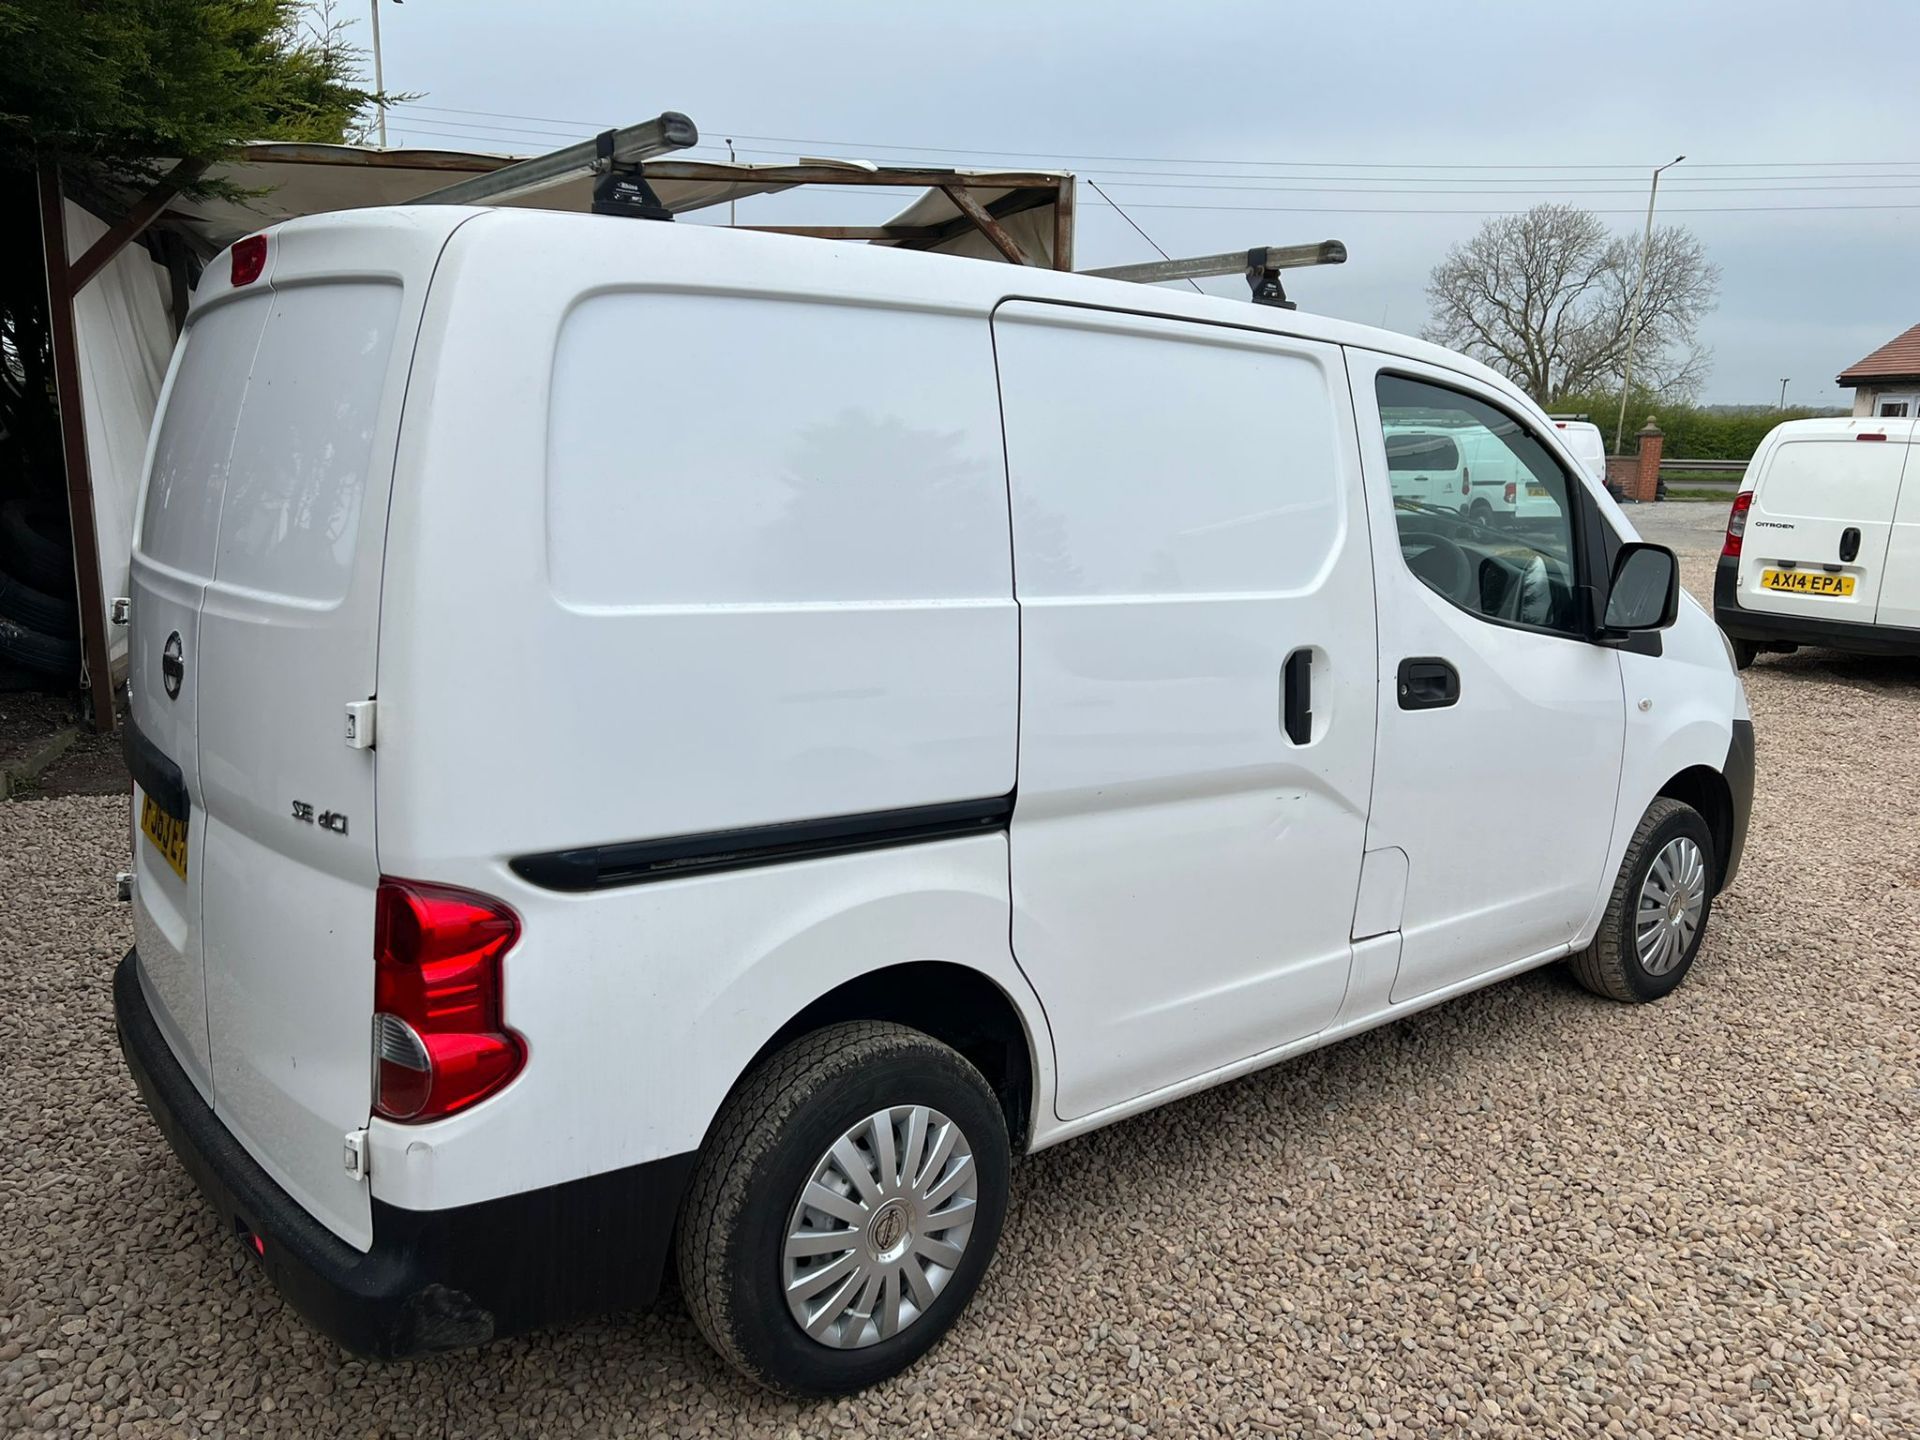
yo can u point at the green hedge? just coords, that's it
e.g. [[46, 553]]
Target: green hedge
[[1691, 432]]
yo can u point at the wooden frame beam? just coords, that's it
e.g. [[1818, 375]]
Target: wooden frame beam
[[1013, 203], [987, 225], [61, 288], [804, 174], [147, 209], [1063, 226]]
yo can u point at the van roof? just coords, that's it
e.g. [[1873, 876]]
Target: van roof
[[1844, 427], [775, 264]]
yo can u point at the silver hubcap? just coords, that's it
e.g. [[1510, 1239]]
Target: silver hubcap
[[1671, 899], [880, 1227]]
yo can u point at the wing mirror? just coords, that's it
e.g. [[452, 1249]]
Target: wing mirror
[[1644, 593]]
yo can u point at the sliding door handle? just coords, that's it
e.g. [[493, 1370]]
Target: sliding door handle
[[1296, 696], [1427, 682]]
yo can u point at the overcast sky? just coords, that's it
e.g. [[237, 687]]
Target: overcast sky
[[1222, 125]]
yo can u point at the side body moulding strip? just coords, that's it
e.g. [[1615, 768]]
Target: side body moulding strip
[[635, 862]]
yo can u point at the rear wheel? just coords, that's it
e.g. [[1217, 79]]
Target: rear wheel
[[1743, 652], [1480, 511], [1657, 914], [844, 1208]]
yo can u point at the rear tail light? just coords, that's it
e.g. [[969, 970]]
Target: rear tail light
[[439, 1041], [1870, 435], [1737, 522], [249, 259], [1508, 494], [1466, 485]]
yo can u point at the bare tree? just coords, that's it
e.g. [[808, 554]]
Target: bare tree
[[1546, 298]]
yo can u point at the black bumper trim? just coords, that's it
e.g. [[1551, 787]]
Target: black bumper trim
[[434, 1279], [1765, 628], [1738, 771], [158, 777]]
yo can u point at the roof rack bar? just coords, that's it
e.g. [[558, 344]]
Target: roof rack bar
[[671, 131], [1230, 262]]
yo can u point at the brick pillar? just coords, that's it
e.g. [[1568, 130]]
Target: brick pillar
[[1621, 471], [1646, 480]]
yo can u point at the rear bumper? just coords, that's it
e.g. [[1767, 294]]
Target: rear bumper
[[434, 1279], [1764, 628]]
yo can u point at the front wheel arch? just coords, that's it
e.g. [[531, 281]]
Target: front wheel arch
[[1706, 791]]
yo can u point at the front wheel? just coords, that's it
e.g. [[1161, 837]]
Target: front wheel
[[1657, 914], [844, 1208]]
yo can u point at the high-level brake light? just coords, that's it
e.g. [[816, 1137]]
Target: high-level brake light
[[249, 259]]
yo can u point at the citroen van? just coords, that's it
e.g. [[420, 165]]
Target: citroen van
[[1425, 470], [1823, 541], [667, 747]]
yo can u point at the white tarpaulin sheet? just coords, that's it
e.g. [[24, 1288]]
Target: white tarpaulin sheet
[[123, 338]]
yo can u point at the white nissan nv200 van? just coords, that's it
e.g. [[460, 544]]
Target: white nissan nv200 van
[[1823, 541], [658, 745]]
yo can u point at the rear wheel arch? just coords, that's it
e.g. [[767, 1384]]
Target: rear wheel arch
[[1707, 792], [959, 1006]]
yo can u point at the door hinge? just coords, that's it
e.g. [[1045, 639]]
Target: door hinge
[[360, 721], [354, 1154], [121, 610]]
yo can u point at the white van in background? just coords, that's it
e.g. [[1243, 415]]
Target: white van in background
[[657, 744], [1425, 468], [1588, 445], [1823, 541]]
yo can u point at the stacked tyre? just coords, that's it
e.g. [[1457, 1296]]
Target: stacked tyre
[[39, 625]]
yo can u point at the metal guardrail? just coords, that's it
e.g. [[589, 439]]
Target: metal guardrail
[[1730, 467]]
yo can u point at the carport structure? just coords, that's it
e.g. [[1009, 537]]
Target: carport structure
[[117, 306]]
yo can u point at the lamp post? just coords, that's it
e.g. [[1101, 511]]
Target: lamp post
[[379, 82], [1639, 292], [1783, 393]]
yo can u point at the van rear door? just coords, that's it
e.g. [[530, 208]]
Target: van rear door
[[288, 629], [1900, 587], [1817, 530], [172, 561]]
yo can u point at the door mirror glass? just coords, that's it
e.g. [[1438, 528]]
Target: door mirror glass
[[1645, 593]]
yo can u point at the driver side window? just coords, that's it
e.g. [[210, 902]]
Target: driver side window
[[1483, 508]]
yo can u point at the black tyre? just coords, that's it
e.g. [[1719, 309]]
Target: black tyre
[[36, 609], [1743, 652], [1480, 511], [1658, 912], [35, 553], [902, 1142]]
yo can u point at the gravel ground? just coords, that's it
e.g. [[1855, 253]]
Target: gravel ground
[[1528, 1213]]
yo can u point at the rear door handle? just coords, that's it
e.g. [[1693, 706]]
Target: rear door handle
[[1849, 542], [1427, 682], [1296, 696]]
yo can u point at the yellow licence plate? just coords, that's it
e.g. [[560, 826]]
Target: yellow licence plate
[[1806, 582], [169, 836], [1535, 489]]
